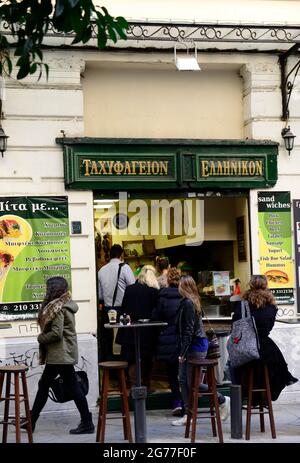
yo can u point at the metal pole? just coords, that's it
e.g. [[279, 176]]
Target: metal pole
[[139, 394], [236, 411]]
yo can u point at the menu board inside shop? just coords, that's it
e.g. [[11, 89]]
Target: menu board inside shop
[[275, 243], [34, 246]]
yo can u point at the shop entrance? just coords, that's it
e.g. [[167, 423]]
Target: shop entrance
[[217, 255]]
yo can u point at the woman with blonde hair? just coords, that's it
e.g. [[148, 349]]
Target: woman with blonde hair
[[263, 309], [193, 344], [138, 302]]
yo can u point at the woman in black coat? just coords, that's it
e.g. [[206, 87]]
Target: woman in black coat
[[167, 349], [263, 309], [138, 302]]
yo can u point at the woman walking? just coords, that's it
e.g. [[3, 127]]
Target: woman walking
[[59, 351], [193, 344]]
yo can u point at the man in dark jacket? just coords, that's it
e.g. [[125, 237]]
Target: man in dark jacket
[[138, 302], [167, 348]]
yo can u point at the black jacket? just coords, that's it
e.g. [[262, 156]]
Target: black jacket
[[190, 326], [138, 302], [167, 310], [270, 353]]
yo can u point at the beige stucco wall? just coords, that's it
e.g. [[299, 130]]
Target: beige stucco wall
[[270, 11], [157, 101], [35, 112]]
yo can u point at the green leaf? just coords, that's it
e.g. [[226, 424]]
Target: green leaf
[[112, 33], [73, 3], [33, 68], [122, 22], [47, 70], [102, 38], [23, 71]]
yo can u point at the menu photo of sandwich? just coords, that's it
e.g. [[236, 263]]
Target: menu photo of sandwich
[[277, 276], [10, 228], [6, 259]]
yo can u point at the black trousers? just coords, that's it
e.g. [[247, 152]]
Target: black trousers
[[172, 372], [67, 372]]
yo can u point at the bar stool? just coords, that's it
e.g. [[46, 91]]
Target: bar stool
[[107, 367], [16, 370], [192, 413], [266, 393]]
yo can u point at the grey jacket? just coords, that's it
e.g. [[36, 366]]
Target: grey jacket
[[58, 343]]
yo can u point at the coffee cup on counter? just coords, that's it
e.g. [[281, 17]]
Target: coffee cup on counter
[[112, 316]]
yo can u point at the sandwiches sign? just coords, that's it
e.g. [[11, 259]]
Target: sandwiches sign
[[275, 243]]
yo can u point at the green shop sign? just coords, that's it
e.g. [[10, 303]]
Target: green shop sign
[[114, 164]]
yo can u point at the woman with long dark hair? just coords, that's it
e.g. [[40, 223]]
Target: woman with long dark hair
[[59, 351], [193, 344], [263, 308]]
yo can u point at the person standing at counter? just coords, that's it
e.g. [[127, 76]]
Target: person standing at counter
[[263, 309], [167, 350], [138, 302], [193, 345], [162, 265], [113, 278]]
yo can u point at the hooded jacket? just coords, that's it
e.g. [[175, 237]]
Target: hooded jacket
[[58, 341]]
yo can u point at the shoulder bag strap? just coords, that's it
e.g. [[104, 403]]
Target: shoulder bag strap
[[247, 309], [209, 324], [243, 310], [116, 288]]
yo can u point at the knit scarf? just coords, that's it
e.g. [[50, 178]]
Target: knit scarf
[[49, 312]]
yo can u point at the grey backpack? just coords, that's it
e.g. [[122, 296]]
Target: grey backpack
[[243, 343]]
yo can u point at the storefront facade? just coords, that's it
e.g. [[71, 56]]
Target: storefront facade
[[131, 123]]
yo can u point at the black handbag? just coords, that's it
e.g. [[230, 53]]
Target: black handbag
[[58, 391], [213, 351]]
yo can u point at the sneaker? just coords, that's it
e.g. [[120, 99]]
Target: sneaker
[[181, 422], [177, 408], [225, 409]]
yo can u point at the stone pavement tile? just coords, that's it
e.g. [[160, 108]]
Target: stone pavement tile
[[54, 428]]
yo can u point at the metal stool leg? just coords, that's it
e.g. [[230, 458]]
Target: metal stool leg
[[249, 404]]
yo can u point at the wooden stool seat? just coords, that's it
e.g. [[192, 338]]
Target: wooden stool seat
[[6, 371], [13, 368], [107, 367], [192, 412], [113, 365], [264, 404]]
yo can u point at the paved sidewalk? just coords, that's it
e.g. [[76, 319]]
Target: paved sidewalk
[[54, 428]]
